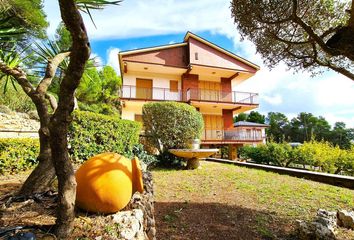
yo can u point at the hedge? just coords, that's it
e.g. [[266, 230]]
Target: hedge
[[93, 133], [89, 134], [313, 155], [171, 124], [18, 154]]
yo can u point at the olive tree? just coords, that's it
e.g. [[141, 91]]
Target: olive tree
[[303, 34]]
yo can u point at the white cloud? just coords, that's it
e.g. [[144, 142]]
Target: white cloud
[[112, 59], [273, 100]]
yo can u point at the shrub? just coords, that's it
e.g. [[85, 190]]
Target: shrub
[[258, 154], [18, 154], [311, 154], [171, 124], [92, 133], [144, 156]]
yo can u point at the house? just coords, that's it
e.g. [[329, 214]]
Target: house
[[199, 73]]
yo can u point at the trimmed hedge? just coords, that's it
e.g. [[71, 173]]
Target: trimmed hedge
[[171, 124], [93, 133], [89, 134], [18, 154]]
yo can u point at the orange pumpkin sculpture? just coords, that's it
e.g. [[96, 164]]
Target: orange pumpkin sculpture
[[106, 182]]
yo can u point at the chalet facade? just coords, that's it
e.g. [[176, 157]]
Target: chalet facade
[[199, 73]]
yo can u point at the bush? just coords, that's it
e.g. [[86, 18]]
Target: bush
[[144, 156], [321, 155], [171, 124], [92, 133], [18, 154]]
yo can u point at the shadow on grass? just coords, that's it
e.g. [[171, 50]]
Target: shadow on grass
[[189, 220]]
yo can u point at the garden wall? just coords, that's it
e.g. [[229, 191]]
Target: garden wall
[[333, 179]]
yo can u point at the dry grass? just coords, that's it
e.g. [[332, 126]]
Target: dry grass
[[223, 201]]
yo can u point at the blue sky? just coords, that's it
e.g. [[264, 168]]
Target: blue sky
[[141, 23]]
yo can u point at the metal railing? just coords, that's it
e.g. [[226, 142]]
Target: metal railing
[[133, 92], [222, 96], [232, 135]]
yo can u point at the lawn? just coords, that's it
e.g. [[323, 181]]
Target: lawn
[[221, 201]]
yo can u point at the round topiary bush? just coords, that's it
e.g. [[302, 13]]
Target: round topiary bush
[[171, 124]]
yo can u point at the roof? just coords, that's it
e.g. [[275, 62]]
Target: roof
[[249, 124], [190, 34], [148, 49], [184, 43]]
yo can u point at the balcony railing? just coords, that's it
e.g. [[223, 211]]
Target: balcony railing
[[133, 92], [232, 135], [220, 96]]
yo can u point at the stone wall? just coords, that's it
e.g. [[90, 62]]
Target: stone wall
[[145, 203], [17, 125]]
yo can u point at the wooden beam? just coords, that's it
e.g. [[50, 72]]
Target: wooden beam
[[233, 76], [236, 108], [125, 67], [188, 70]]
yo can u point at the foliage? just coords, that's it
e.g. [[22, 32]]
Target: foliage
[[62, 37], [91, 133], [253, 116], [307, 127], [316, 155], [28, 14], [144, 156], [303, 34], [98, 91], [15, 98], [18, 154], [277, 126], [101, 108], [171, 124]]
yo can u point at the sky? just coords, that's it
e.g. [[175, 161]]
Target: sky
[[141, 23]]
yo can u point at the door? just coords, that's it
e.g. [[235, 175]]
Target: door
[[209, 91], [144, 88], [213, 127]]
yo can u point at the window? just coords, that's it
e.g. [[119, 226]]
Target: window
[[196, 56], [173, 86]]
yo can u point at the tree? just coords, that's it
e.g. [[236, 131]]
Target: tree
[[277, 124], [341, 136], [54, 127], [25, 14], [303, 34], [256, 117], [240, 117]]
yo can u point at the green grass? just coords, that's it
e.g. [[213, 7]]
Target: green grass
[[278, 196]]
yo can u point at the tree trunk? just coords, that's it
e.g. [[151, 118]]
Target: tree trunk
[[43, 175], [66, 178]]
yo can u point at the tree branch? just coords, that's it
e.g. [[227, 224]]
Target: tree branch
[[20, 77], [315, 37], [50, 72]]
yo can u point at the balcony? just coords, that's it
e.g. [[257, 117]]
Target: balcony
[[232, 135], [165, 94], [220, 96]]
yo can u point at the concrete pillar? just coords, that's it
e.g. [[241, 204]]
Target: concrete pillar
[[232, 152]]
